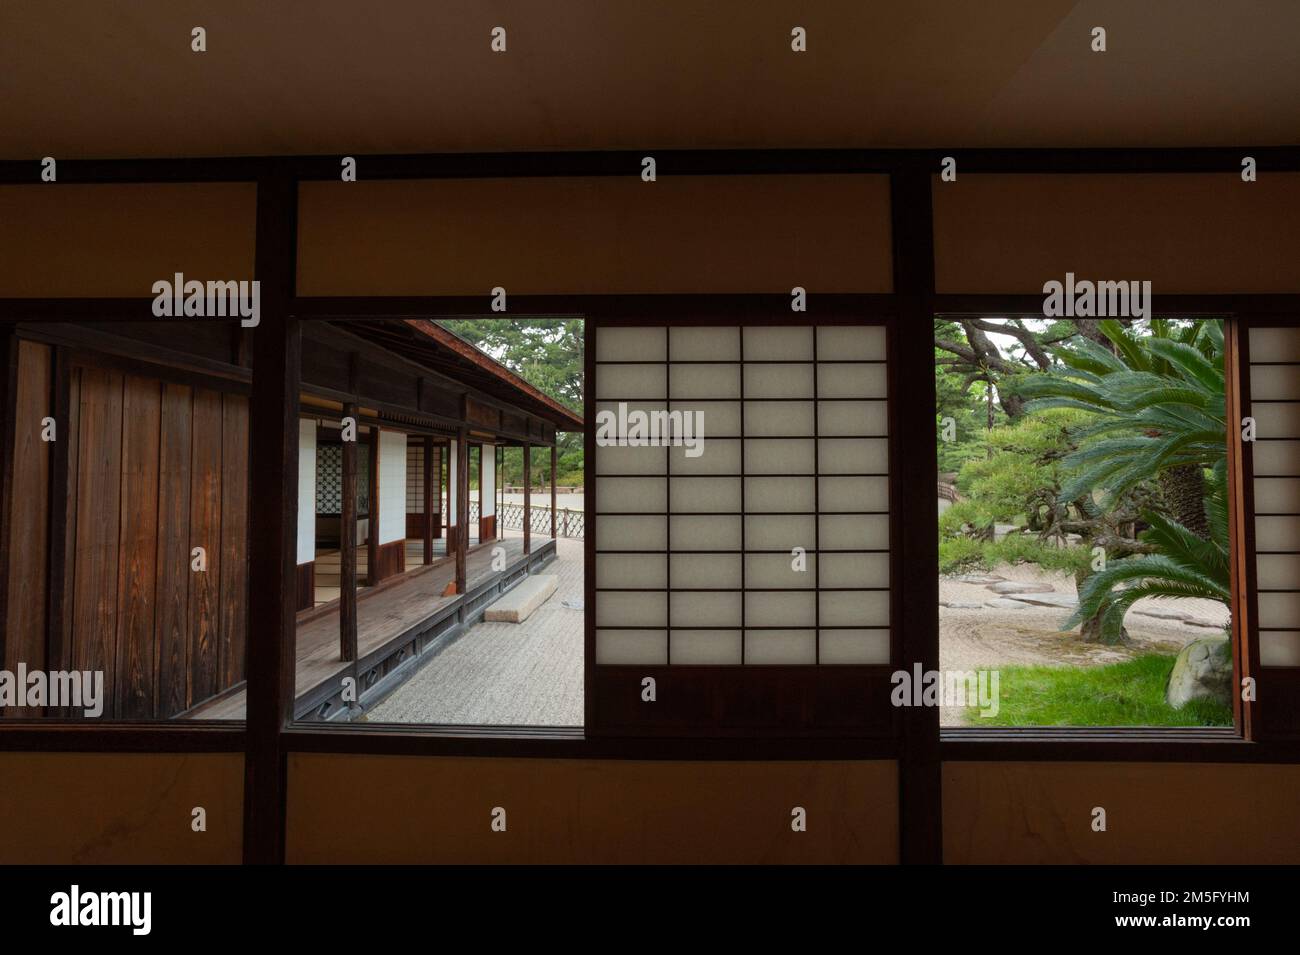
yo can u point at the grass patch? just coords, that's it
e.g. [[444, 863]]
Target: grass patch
[[1131, 693]]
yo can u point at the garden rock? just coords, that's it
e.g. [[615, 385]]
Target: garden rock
[[960, 605], [1202, 671], [979, 578], [1019, 587], [1064, 601], [1006, 603], [1164, 614]]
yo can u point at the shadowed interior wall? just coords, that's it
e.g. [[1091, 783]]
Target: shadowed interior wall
[[78, 241], [1208, 233], [1166, 813], [419, 809], [120, 808], [591, 236], [157, 469]]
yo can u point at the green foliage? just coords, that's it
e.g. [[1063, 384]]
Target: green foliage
[[959, 555], [1131, 693], [547, 353]]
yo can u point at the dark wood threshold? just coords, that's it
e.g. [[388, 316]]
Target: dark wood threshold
[[1174, 744], [59, 736]]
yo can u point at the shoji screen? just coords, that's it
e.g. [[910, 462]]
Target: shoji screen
[[1275, 406], [766, 546]]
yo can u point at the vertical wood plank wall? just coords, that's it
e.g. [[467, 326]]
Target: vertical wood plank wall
[[147, 460]]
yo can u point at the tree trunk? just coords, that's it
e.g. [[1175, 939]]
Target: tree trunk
[[1183, 489], [1091, 628]]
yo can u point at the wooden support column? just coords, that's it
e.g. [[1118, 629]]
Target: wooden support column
[[554, 456], [430, 510], [528, 486], [9, 394], [60, 465], [462, 507], [372, 523], [273, 520], [348, 548]]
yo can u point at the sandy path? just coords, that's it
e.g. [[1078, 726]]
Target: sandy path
[[988, 638]]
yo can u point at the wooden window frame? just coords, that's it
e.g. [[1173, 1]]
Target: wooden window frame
[[267, 737]]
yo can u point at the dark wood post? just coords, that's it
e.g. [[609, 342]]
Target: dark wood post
[[430, 509], [60, 470], [528, 486], [9, 394], [372, 522], [554, 457], [462, 507], [348, 547]]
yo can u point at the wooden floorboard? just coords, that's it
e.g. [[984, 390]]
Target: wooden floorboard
[[383, 615]]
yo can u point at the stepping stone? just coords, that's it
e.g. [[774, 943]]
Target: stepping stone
[[1006, 603], [978, 578], [1017, 587], [960, 605], [1065, 601], [522, 599]]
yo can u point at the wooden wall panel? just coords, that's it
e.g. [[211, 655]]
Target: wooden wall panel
[[121, 808], [94, 613], [134, 689], [1166, 813], [74, 240], [827, 233], [1187, 233], [24, 637], [205, 532], [171, 621], [234, 538], [416, 809]]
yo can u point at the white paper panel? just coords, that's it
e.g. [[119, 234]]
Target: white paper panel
[[720, 419], [706, 647], [1274, 381], [631, 533], [702, 571], [624, 608], [488, 494], [860, 647], [1279, 648], [629, 382], [720, 456], [612, 408], [630, 494], [705, 609], [1275, 532], [854, 570], [791, 343], [1276, 457], [705, 533], [854, 532], [850, 381], [779, 456], [780, 532], [1276, 419], [1278, 571], [779, 418], [622, 647], [780, 647], [777, 570], [854, 494], [453, 451], [855, 608], [616, 459], [392, 486], [697, 495], [852, 418], [704, 381], [1275, 344], [704, 344], [764, 494], [787, 608], [851, 342], [1279, 611], [306, 490], [631, 570], [853, 456], [779, 381], [630, 344], [1277, 496]]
